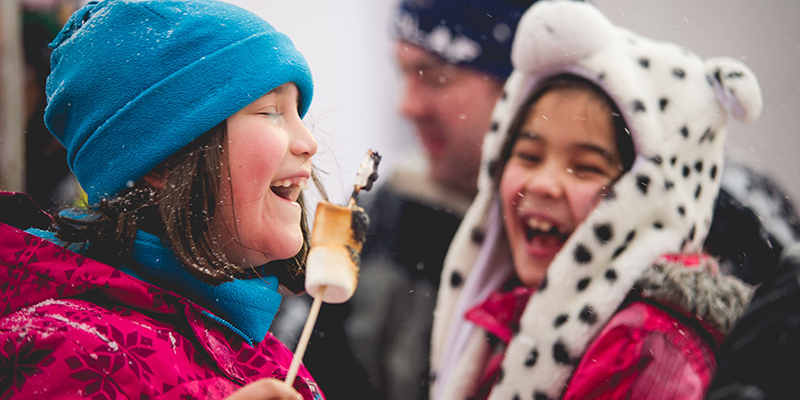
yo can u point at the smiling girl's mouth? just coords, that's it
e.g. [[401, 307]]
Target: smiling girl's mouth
[[544, 233], [289, 189]]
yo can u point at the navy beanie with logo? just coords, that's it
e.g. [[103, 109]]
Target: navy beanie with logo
[[134, 81], [472, 33]]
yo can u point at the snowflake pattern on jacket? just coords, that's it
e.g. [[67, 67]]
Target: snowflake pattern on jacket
[[72, 327]]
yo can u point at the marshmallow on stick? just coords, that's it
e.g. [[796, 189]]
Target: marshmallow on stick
[[332, 264], [336, 241]]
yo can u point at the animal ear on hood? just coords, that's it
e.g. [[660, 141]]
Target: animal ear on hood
[[551, 37], [736, 86]]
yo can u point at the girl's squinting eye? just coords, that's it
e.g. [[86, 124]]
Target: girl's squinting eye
[[527, 151], [588, 169], [271, 112], [591, 168], [526, 156]]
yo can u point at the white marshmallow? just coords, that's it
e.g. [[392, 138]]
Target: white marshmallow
[[331, 266]]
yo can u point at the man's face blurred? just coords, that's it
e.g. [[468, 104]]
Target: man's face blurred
[[451, 108]]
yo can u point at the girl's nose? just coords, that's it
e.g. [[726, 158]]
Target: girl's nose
[[302, 141], [546, 183]]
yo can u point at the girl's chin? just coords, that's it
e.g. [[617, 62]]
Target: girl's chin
[[530, 278], [275, 255], [532, 270], [256, 258]]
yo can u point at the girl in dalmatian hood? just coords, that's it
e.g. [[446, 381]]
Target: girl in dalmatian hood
[[578, 271], [182, 121]]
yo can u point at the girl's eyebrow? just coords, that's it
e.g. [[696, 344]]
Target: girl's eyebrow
[[585, 146], [285, 88], [530, 135], [591, 147], [278, 90]]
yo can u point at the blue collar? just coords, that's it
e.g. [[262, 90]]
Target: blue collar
[[247, 306]]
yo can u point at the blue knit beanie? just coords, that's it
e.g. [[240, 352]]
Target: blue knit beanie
[[134, 81], [473, 33]]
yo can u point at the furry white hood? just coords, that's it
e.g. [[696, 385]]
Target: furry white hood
[[676, 107]]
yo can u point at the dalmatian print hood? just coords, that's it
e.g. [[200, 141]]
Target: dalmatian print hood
[[676, 106]]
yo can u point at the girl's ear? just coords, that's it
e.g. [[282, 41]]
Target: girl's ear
[[157, 180]]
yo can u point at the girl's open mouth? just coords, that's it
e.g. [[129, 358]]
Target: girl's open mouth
[[289, 190], [544, 233]]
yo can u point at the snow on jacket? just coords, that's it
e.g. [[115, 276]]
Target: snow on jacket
[[72, 327], [676, 107]]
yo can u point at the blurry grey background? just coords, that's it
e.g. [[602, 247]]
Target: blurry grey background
[[349, 47]]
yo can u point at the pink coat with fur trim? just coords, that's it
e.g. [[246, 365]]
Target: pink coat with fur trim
[[72, 327], [644, 352], [656, 347], [650, 349]]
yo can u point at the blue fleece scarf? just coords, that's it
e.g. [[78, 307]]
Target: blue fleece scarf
[[247, 306]]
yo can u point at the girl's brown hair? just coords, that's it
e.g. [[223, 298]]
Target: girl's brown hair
[[181, 214], [566, 81]]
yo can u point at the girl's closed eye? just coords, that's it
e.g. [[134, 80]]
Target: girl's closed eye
[[595, 163], [271, 112], [527, 150], [527, 156], [593, 169]]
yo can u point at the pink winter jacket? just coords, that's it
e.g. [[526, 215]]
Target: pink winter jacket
[[646, 351], [72, 327], [657, 346]]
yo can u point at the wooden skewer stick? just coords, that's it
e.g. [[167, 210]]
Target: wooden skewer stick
[[364, 180], [303, 343]]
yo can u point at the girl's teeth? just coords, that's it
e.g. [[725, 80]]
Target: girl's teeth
[[303, 184], [535, 224]]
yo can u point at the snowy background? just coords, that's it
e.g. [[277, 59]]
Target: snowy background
[[349, 47]]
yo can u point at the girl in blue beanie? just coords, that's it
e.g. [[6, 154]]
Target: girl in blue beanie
[[183, 123]]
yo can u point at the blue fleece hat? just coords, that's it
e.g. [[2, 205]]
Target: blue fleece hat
[[134, 81], [473, 33]]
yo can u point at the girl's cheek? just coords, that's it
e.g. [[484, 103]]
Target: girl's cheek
[[510, 186], [585, 197]]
